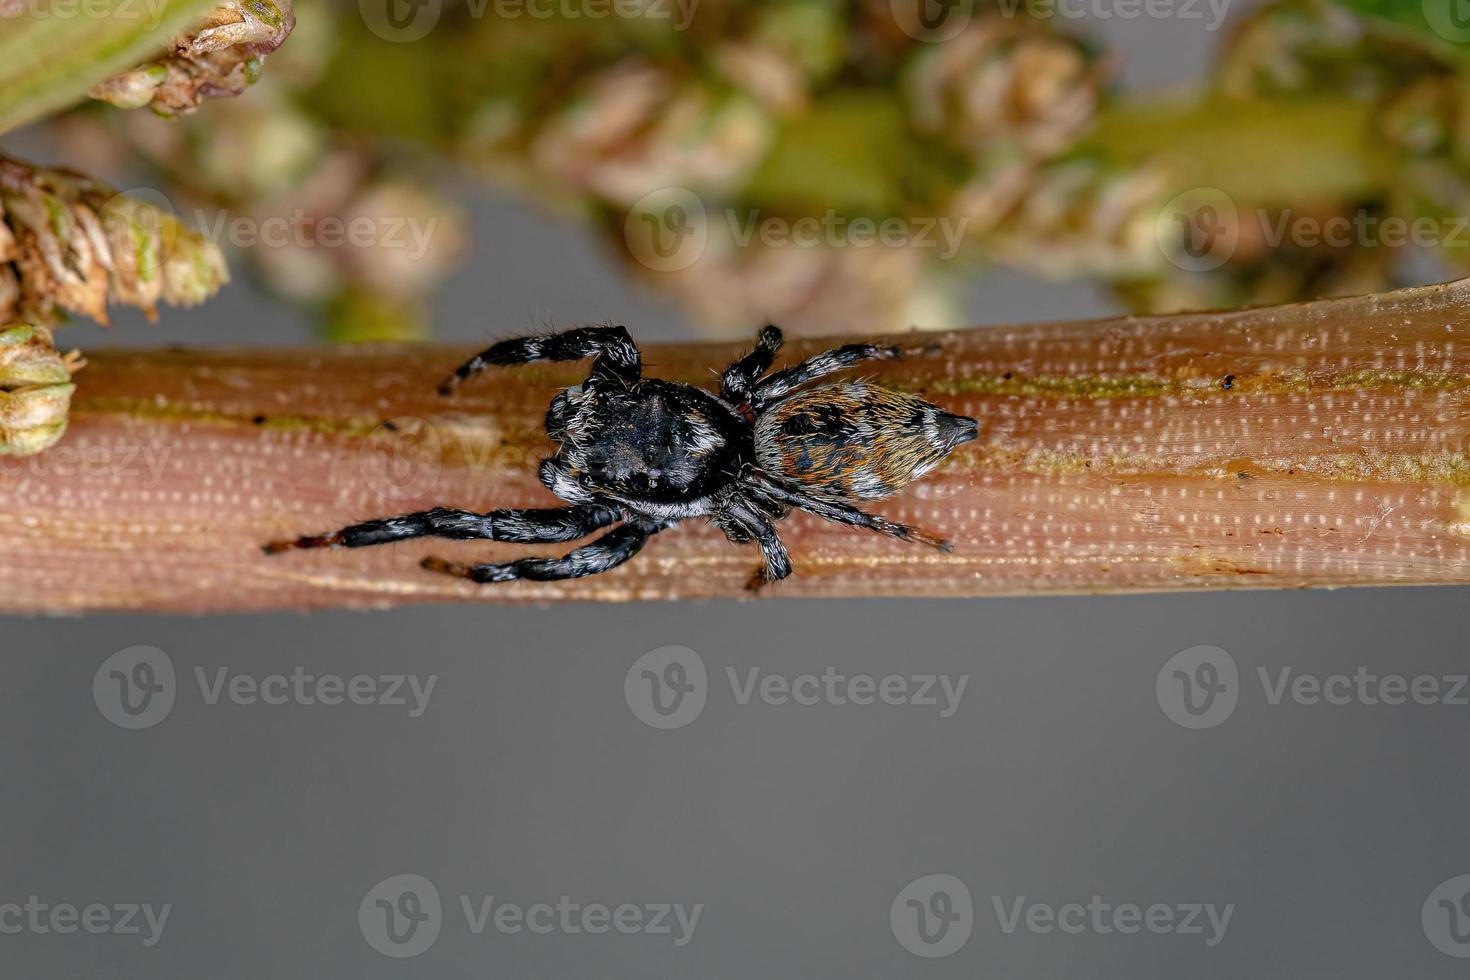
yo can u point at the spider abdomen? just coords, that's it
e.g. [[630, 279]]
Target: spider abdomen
[[856, 440]]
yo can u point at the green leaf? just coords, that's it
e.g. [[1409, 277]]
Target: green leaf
[[52, 53]]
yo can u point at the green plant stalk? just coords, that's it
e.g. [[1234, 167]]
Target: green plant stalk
[[49, 62]]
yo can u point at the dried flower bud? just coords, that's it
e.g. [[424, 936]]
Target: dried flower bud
[[70, 243], [1006, 80], [1074, 218], [635, 129], [219, 58], [35, 390]]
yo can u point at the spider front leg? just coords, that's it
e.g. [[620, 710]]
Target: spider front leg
[[606, 553], [617, 356], [783, 383], [520, 525], [738, 382]]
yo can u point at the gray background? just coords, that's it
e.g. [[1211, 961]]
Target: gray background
[[529, 777]]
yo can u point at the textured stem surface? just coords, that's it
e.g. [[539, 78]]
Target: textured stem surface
[[1322, 444]]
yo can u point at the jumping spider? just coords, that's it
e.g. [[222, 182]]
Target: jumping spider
[[646, 454]]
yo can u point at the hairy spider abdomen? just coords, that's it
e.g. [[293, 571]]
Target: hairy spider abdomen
[[659, 441], [856, 440]]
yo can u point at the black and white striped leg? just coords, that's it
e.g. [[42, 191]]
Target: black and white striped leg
[[607, 552], [525, 526], [617, 355], [738, 381], [783, 383], [744, 522], [845, 514]]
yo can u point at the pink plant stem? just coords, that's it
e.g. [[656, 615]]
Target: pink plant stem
[[1322, 444]]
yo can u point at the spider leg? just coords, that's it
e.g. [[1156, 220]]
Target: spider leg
[[525, 526], [846, 514], [739, 379], [747, 522], [617, 355], [607, 552], [783, 383]]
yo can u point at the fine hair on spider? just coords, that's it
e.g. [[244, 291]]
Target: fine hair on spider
[[638, 455]]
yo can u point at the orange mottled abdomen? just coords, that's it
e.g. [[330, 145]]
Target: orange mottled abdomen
[[855, 440]]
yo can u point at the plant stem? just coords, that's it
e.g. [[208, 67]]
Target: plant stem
[[1322, 444]]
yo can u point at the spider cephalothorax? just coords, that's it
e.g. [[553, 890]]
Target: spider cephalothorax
[[645, 454]]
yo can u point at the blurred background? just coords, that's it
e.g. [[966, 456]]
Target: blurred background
[[1207, 785]]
